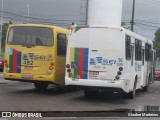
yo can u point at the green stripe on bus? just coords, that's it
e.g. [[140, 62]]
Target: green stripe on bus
[[10, 63], [76, 54]]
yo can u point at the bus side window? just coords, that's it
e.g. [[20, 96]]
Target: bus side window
[[61, 44], [128, 47], [132, 53], [138, 50], [143, 56], [147, 52]]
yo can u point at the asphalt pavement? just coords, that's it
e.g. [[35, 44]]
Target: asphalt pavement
[[21, 96]]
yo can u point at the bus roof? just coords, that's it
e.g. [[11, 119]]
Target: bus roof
[[126, 31], [37, 25]]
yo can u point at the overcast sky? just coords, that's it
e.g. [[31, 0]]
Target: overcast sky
[[147, 19]]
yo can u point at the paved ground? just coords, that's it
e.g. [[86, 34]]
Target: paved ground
[[19, 96]]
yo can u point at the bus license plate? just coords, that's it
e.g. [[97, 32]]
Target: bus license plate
[[27, 76], [95, 73]]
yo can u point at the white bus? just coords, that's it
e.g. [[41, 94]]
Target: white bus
[[101, 58]]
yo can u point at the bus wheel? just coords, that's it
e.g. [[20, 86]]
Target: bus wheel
[[41, 86], [89, 93], [131, 95], [145, 88]]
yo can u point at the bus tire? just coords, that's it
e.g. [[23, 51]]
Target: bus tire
[[132, 94], [41, 86], [145, 88]]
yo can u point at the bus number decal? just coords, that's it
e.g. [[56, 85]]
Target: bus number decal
[[32, 57], [103, 61], [27, 62]]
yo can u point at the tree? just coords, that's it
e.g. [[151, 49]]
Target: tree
[[4, 32], [123, 24], [157, 42]]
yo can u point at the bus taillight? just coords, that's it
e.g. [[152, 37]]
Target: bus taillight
[[68, 70], [119, 73], [67, 66], [5, 61], [6, 65], [120, 68], [51, 68], [52, 63]]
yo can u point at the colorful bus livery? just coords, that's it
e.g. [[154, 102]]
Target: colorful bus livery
[[36, 53], [17, 59], [79, 62], [14, 64]]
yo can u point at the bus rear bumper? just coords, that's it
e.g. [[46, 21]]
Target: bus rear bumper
[[28, 77], [111, 85]]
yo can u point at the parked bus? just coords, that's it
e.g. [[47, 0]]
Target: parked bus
[[35, 53], [101, 58]]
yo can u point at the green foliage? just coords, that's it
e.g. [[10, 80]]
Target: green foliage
[[123, 24], [4, 32], [157, 35], [157, 48], [157, 42]]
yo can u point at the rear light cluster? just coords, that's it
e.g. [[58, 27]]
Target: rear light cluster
[[69, 70], [51, 67], [6, 65], [119, 73]]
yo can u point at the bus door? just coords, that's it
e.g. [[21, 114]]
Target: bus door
[[143, 66], [132, 61], [153, 60], [138, 62]]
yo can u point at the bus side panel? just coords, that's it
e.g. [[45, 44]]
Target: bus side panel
[[60, 60], [60, 70]]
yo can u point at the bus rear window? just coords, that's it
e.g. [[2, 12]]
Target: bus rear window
[[30, 36]]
